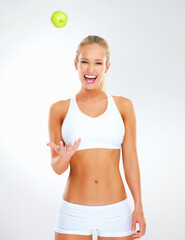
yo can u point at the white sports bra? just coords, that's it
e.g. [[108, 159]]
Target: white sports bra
[[105, 131]]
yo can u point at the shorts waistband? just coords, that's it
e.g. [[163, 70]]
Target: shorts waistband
[[107, 206]]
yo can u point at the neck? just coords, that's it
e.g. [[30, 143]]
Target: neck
[[93, 94]]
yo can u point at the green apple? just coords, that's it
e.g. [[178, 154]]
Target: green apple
[[59, 19]]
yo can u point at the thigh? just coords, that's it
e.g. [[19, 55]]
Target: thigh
[[117, 238], [62, 236]]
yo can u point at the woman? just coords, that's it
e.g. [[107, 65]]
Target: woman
[[87, 132]]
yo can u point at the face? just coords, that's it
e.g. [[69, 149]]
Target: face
[[91, 65]]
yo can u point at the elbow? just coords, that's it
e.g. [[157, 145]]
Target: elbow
[[58, 173], [57, 170]]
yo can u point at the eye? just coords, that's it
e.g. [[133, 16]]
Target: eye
[[99, 63], [83, 61]]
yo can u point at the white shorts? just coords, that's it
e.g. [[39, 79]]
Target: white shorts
[[112, 220]]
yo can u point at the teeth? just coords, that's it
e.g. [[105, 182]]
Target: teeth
[[89, 76]]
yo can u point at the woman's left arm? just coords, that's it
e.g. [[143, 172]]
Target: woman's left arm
[[131, 165]]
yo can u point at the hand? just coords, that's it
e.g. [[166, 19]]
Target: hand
[[138, 217], [65, 152]]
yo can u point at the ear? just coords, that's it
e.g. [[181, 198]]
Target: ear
[[76, 64], [107, 68]]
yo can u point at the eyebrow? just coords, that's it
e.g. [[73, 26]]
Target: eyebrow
[[95, 59]]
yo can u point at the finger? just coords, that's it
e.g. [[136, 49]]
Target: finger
[[142, 226], [61, 145], [76, 143], [138, 234], [49, 144], [133, 226], [69, 146], [54, 146], [133, 229]]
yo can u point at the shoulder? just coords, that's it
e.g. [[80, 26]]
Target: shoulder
[[125, 105], [59, 108], [57, 105], [123, 100]]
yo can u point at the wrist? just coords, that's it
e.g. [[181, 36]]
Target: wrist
[[138, 205], [62, 159]]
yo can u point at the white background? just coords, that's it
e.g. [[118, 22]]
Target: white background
[[146, 40]]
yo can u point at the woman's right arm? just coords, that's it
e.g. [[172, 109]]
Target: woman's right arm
[[59, 163]]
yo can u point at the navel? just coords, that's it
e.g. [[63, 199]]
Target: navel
[[96, 181]]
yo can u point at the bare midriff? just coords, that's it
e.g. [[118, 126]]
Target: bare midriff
[[95, 178]]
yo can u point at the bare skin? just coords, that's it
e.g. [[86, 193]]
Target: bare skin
[[94, 177]]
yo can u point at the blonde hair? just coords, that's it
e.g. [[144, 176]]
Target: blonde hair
[[91, 39]]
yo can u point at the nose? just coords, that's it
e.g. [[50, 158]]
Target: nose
[[90, 67]]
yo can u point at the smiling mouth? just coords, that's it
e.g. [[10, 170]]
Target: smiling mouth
[[90, 78]]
